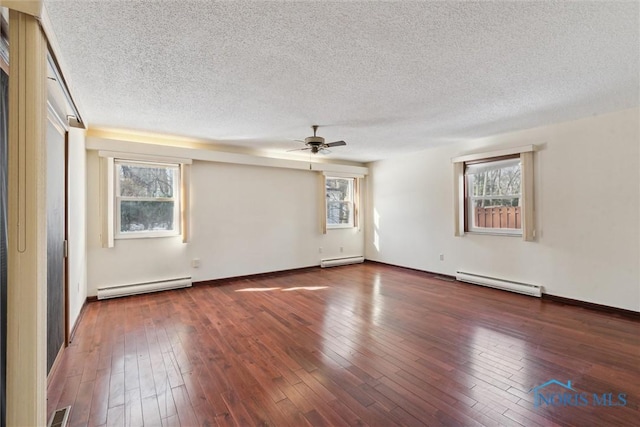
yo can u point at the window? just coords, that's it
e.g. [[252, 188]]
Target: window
[[339, 193], [493, 192], [493, 196], [147, 199]]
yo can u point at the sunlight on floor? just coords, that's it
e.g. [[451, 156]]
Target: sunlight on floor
[[502, 355], [296, 288]]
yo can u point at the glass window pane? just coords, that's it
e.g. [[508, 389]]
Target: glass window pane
[[493, 195], [338, 212], [339, 189], [146, 216], [495, 182], [146, 181], [497, 213], [339, 194], [496, 202]]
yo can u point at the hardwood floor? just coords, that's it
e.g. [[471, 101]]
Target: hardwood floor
[[356, 345]]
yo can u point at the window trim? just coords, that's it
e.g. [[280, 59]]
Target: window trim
[[176, 231], [468, 200], [353, 202], [526, 154], [107, 204], [322, 198]]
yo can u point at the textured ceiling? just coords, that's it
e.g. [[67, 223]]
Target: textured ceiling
[[386, 77]]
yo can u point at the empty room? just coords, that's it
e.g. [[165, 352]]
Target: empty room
[[314, 213]]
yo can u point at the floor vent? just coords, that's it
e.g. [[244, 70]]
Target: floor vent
[[332, 262], [507, 285], [60, 417], [445, 278]]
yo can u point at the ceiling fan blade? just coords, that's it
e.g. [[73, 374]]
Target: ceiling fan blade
[[299, 149], [336, 144]]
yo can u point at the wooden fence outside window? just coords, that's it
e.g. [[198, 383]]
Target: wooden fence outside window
[[498, 217]]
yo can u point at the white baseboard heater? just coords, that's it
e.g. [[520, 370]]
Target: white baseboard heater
[[143, 288], [507, 285], [333, 262]]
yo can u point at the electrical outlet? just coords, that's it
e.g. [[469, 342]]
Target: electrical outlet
[[319, 250], [195, 263], [441, 257], [341, 249]]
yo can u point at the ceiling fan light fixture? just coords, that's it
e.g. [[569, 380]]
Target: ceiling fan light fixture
[[316, 143], [314, 140]]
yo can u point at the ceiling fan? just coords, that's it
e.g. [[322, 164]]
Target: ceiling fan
[[316, 143]]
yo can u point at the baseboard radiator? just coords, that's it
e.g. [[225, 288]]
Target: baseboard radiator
[[333, 262], [507, 285], [143, 288]]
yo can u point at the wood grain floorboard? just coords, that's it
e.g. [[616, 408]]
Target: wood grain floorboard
[[356, 345]]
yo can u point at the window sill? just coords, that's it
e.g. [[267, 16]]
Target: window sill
[[144, 236], [339, 227], [493, 233]]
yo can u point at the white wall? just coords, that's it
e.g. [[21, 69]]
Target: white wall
[[249, 220], [587, 188], [77, 274], [132, 260], [244, 220]]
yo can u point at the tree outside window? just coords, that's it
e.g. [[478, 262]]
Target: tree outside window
[[339, 196], [494, 196], [147, 198]]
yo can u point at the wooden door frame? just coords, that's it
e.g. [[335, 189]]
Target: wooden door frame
[[26, 305]]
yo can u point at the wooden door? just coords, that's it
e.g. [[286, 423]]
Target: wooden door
[[56, 214]]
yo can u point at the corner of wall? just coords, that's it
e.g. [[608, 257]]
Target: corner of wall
[[77, 215]]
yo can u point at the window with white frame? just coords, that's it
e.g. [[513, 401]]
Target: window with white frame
[[147, 199], [493, 195], [340, 202], [493, 192]]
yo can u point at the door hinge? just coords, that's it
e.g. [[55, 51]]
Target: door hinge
[[65, 248]]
